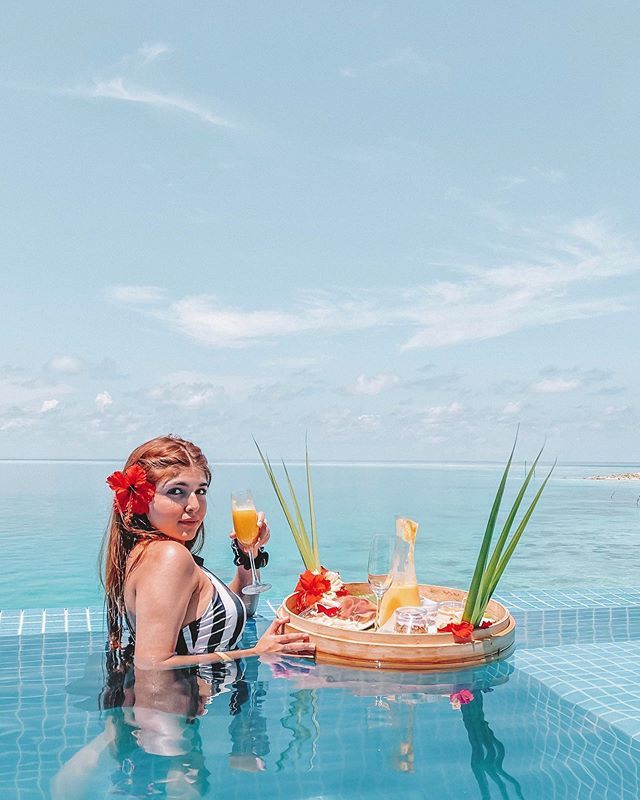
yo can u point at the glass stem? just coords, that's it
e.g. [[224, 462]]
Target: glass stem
[[254, 574], [377, 612]]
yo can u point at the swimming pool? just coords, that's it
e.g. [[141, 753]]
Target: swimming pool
[[558, 719]]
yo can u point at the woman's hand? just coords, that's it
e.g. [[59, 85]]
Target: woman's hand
[[263, 536], [277, 643]]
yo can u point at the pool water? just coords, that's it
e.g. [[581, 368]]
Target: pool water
[[543, 724], [560, 718]]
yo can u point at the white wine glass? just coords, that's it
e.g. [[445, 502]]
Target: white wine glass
[[380, 568], [245, 526]]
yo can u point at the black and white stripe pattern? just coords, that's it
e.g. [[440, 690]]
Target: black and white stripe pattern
[[221, 625]]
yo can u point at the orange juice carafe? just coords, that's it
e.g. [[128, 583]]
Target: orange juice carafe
[[404, 587]]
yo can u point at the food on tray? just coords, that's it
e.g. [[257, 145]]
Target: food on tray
[[351, 612], [411, 619]]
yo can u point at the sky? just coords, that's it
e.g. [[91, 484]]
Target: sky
[[401, 228]]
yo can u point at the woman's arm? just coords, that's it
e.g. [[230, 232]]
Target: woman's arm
[[165, 581], [272, 642]]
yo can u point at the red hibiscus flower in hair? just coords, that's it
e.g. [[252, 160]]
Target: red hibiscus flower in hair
[[133, 490], [309, 589]]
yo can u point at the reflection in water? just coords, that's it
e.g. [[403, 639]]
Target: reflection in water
[[152, 739], [487, 752], [152, 730], [302, 720]]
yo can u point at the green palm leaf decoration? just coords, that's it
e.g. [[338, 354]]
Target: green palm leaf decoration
[[488, 571], [308, 546]]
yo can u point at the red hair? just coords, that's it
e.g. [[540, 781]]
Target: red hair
[[161, 458]]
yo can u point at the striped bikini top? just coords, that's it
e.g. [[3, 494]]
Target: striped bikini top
[[221, 625]]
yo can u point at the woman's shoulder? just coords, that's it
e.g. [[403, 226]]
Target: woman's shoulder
[[165, 555]]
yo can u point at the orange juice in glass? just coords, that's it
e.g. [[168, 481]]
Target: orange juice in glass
[[245, 526], [404, 586]]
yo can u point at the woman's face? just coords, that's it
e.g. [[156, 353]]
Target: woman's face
[[179, 505]]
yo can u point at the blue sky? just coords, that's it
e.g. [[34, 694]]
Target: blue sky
[[404, 228]]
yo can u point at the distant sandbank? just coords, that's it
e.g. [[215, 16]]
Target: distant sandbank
[[620, 476]]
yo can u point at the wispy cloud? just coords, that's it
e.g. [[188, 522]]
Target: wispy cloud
[[208, 321], [556, 385], [406, 60], [103, 401], [560, 277], [512, 408], [48, 405], [124, 86], [136, 295], [65, 364], [115, 89], [152, 50], [374, 384], [550, 175]]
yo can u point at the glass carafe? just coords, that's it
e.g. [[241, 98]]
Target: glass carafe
[[404, 587]]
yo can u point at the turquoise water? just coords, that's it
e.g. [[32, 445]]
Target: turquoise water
[[558, 720], [584, 533], [71, 730]]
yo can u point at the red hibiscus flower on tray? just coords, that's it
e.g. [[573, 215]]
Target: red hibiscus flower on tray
[[133, 490], [461, 630], [310, 588]]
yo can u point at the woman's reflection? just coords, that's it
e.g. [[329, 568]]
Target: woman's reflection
[[152, 730]]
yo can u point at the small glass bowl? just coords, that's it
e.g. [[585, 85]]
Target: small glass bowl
[[449, 611], [411, 619]]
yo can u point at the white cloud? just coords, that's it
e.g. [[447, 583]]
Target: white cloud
[[375, 384], [12, 423], [185, 393], [563, 277], [407, 59], [370, 422], [115, 89], [103, 400], [48, 405], [152, 50], [204, 319], [136, 294], [434, 415], [556, 385], [65, 364], [512, 408], [551, 175]]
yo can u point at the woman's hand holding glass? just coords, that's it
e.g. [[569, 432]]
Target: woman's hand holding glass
[[264, 534], [251, 531]]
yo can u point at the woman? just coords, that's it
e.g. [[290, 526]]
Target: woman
[[179, 614]]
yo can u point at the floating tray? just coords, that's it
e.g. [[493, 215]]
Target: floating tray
[[418, 652]]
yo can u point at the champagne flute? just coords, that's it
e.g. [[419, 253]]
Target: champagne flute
[[245, 526], [380, 571]]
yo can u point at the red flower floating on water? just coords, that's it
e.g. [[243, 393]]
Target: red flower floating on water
[[133, 490], [309, 589], [461, 630], [460, 698]]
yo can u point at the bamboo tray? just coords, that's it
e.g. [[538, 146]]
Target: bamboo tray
[[417, 652]]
